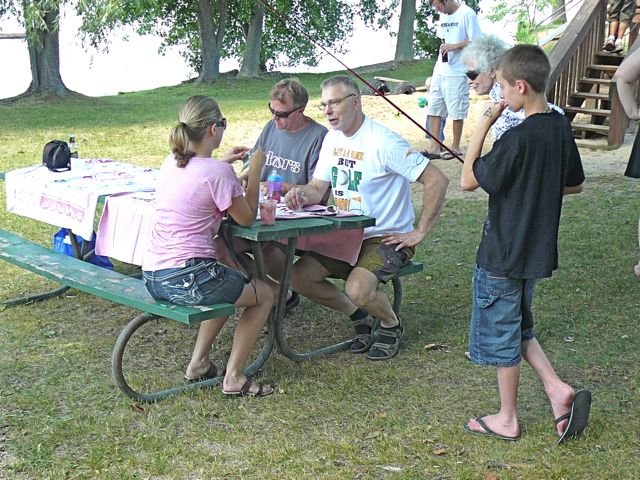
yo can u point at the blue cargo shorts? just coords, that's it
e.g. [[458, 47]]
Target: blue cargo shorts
[[501, 318]]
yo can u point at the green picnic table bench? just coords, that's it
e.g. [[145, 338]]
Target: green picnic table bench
[[129, 291], [115, 287]]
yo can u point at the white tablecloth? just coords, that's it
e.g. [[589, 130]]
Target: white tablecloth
[[69, 199]]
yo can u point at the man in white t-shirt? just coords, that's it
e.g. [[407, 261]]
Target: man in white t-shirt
[[449, 91], [370, 170]]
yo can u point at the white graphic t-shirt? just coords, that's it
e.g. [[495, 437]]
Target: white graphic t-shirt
[[455, 28], [371, 173]]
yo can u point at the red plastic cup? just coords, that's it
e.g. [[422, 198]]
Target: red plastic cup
[[268, 212]]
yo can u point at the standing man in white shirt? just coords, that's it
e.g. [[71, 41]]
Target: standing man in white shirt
[[449, 93], [370, 170]]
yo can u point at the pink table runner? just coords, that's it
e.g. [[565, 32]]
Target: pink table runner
[[125, 226], [126, 222]]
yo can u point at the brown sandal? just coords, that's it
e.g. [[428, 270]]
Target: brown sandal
[[244, 390], [212, 372]]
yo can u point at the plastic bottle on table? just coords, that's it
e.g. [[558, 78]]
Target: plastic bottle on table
[[274, 182], [73, 146]]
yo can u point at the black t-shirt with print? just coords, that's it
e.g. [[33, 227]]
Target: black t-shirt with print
[[525, 174]]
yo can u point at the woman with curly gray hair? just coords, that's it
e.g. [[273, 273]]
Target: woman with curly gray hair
[[481, 57]]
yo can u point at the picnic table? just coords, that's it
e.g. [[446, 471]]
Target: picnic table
[[293, 230], [69, 199], [126, 222], [123, 289]]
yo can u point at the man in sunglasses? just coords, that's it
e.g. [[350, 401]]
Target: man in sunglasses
[[449, 93], [291, 140]]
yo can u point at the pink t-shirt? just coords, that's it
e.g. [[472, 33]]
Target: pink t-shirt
[[190, 202]]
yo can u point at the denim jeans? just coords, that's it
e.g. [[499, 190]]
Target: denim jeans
[[501, 318], [201, 282]]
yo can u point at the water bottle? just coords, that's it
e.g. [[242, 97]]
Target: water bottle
[[274, 182], [73, 146], [445, 55]]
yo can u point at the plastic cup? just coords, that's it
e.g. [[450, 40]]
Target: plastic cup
[[268, 212], [274, 189]]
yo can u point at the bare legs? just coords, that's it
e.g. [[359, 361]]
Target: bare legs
[[257, 306], [505, 422], [457, 134], [362, 289], [560, 394], [435, 125], [616, 34], [309, 278], [617, 29]]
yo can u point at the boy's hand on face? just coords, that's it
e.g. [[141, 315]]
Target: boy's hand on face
[[490, 112]]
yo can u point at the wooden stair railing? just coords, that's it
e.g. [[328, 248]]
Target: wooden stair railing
[[574, 53], [581, 72]]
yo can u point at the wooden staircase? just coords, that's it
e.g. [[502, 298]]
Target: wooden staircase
[[581, 72], [589, 107]]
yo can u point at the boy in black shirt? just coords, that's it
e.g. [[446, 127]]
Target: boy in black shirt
[[526, 174]]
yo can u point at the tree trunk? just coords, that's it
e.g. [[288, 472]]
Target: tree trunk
[[44, 56], [251, 58], [210, 39], [559, 5], [404, 45]]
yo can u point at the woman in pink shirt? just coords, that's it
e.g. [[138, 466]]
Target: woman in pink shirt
[[193, 192]]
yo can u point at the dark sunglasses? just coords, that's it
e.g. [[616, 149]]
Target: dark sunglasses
[[281, 114], [222, 123], [472, 74]]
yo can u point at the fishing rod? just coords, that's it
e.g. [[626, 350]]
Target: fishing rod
[[292, 26]]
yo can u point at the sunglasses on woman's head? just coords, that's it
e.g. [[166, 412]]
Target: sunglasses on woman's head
[[472, 74]]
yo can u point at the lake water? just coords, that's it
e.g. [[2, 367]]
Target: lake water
[[136, 64]]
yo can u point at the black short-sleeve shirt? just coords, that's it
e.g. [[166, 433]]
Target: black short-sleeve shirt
[[525, 174]]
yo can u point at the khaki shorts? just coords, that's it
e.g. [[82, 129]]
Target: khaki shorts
[[380, 259], [449, 97], [621, 11]]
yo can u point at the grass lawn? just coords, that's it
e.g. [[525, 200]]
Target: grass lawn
[[62, 417]]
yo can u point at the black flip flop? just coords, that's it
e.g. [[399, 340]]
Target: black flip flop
[[578, 416], [488, 432], [429, 155]]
